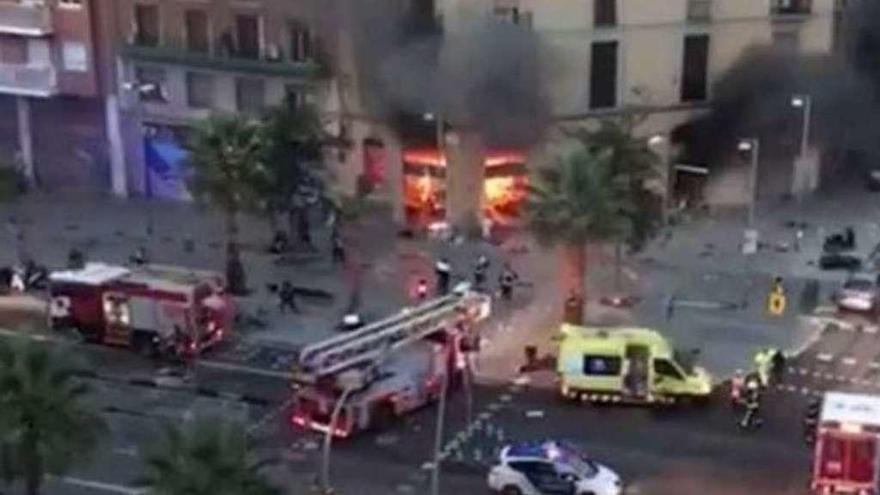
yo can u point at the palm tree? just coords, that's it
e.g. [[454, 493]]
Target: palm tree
[[291, 165], [578, 201], [632, 159], [224, 151], [209, 457], [45, 425]]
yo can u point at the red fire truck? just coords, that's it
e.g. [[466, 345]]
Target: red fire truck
[[388, 368], [847, 437], [153, 309]]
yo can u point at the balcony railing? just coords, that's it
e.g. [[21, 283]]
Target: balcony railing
[[25, 19], [791, 7], [26, 80], [699, 10], [181, 56]]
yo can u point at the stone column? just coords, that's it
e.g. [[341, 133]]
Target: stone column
[[118, 172], [465, 171], [25, 137], [394, 175]]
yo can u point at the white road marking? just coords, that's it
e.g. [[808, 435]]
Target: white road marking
[[849, 361], [127, 451], [825, 357], [535, 413], [244, 369], [101, 486]]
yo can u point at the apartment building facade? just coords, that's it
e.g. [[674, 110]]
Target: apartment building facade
[[180, 60], [52, 72], [659, 56]]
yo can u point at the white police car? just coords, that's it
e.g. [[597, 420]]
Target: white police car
[[550, 468]]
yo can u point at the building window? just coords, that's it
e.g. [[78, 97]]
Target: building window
[[603, 75], [199, 90], [604, 13], [699, 10], [695, 67], [247, 35], [250, 95], [74, 56], [197, 37], [295, 96], [514, 15], [146, 24], [154, 76], [300, 41], [13, 50]]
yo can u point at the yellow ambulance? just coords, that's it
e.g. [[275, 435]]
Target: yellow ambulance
[[626, 365]]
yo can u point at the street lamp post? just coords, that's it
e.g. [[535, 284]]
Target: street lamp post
[[805, 103], [752, 147], [658, 140], [139, 90]]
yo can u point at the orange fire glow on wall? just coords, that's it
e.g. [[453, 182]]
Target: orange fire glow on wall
[[504, 187]]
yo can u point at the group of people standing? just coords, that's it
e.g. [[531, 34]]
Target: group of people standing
[[443, 273]]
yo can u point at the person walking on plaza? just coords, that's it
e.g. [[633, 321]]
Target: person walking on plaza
[[287, 298], [480, 270], [507, 280], [337, 247], [443, 271], [422, 289]]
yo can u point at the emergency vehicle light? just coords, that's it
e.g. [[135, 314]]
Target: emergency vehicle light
[[847, 427]]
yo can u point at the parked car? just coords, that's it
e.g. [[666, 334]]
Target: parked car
[[550, 468], [840, 261], [860, 292]]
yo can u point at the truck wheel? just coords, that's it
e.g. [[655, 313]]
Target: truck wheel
[[511, 490]]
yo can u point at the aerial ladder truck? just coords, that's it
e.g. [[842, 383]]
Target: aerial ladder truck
[[388, 368]]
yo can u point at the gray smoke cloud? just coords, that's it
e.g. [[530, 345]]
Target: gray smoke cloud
[[487, 75], [754, 97]]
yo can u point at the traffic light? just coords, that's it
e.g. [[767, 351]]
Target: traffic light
[[811, 420]]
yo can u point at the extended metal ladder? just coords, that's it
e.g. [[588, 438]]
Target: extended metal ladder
[[369, 343]]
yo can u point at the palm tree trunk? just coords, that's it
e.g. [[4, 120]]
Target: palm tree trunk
[[618, 268], [574, 280], [235, 276], [33, 475]]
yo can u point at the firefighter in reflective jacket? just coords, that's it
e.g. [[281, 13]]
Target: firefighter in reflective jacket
[[752, 402]]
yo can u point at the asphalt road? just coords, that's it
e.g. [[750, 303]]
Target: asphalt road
[[674, 451]]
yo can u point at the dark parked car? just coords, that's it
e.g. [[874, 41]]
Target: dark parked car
[[872, 180], [840, 261]]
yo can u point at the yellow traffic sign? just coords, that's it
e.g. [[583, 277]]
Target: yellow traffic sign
[[776, 303]]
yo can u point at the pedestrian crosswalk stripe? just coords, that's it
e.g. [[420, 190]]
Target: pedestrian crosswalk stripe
[[849, 361], [825, 357]]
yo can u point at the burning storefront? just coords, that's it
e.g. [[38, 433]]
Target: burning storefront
[[425, 185]]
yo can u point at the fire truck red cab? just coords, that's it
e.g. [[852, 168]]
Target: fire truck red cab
[[846, 455], [153, 309]]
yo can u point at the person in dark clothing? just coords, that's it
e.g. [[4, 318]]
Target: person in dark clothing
[[303, 229], [337, 247], [777, 366], [139, 257], [287, 298], [850, 238], [75, 259], [280, 243], [506, 281], [443, 271], [480, 270]]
